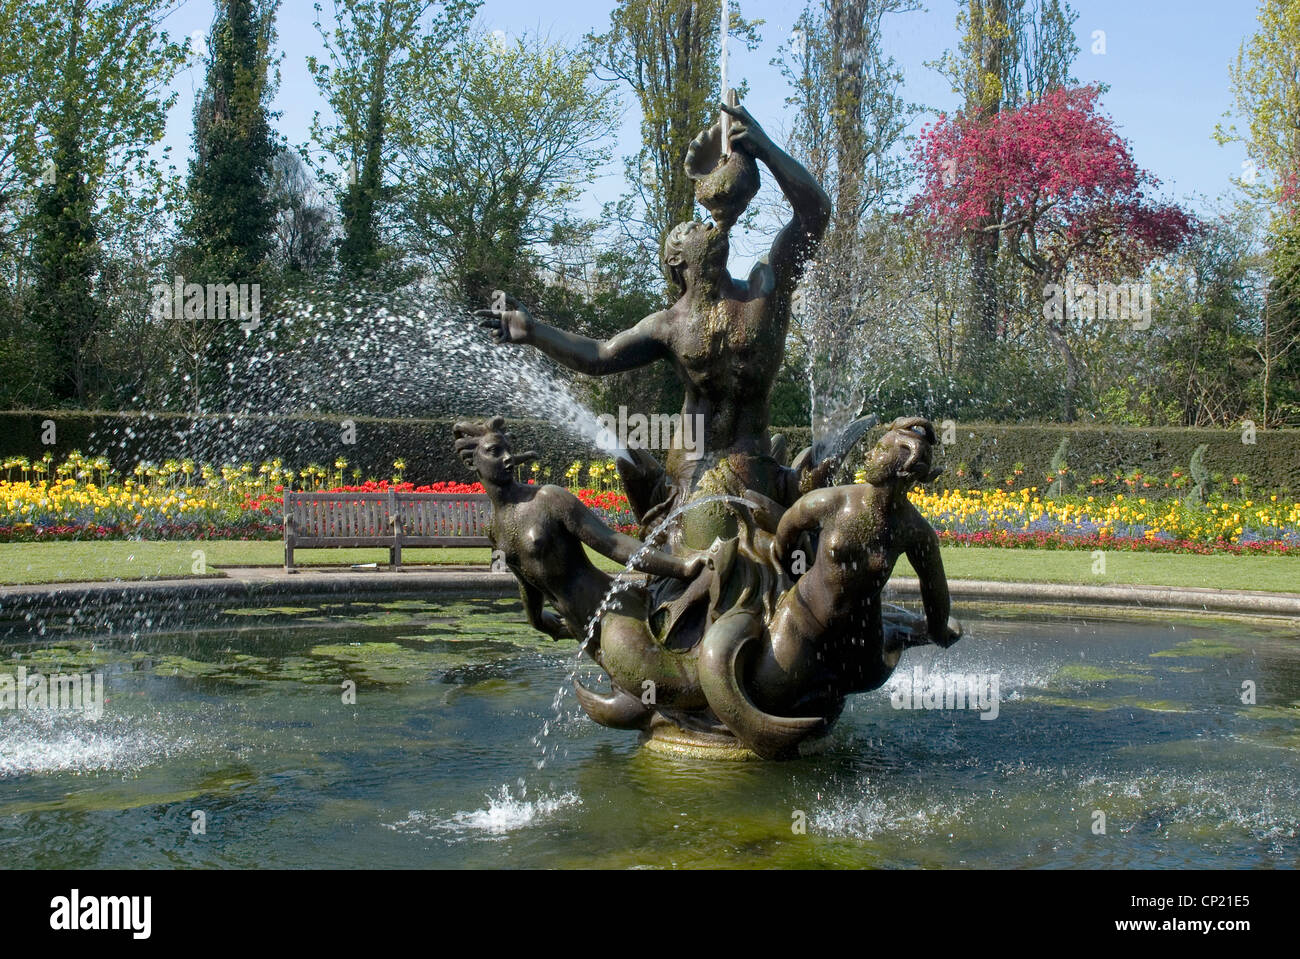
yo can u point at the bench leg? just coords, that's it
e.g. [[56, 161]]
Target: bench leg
[[395, 558], [288, 558]]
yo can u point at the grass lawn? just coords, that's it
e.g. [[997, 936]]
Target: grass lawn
[[111, 560], [1272, 573], [63, 562]]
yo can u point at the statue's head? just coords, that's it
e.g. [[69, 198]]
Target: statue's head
[[695, 251], [485, 447], [903, 457]]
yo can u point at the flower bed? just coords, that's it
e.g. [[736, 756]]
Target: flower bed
[[1023, 518], [83, 499]]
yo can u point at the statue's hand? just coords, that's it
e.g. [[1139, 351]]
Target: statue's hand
[[508, 326], [952, 631], [745, 134], [555, 627], [695, 565]]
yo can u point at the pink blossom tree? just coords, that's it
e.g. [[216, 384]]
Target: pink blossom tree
[[1059, 186]]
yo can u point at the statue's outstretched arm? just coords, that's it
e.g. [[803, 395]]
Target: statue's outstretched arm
[[586, 525], [798, 241], [639, 346]]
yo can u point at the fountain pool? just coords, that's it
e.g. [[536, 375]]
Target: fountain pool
[[241, 719]]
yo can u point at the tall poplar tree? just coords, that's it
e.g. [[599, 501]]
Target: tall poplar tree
[[232, 216]]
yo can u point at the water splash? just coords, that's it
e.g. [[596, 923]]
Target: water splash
[[504, 813], [408, 353], [45, 742]]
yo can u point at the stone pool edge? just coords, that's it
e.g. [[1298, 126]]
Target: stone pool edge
[[257, 584]]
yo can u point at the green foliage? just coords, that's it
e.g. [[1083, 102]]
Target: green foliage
[[299, 441], [1278, 346], [65, 256], [502, 141], [376, 53], [985, 454], [82, 105], [231, 214]]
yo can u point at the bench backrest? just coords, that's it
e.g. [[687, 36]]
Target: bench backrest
[[443, 514], [422, 515], [339, 514]]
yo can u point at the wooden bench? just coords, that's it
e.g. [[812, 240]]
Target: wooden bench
[[389, 519]]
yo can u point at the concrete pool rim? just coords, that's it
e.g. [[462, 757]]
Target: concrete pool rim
[[252, 586]]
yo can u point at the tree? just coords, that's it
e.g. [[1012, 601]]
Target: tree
[[1266, 92], [65, 255], [376, 51], [231, 214], [1279, 341], [20, 92], [1266, 95], [100, 69], [501, 140], [1194, 366], [1011, 52], [304, 228], [666, 52], [849, 123], [1065, 189]]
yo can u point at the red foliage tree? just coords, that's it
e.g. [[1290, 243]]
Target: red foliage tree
[[1068, 186], [1069, 193]]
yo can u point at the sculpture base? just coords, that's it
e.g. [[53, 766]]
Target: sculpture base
[[695, 740], [694, 744]]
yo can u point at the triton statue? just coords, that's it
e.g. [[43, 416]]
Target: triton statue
[[762, 612]]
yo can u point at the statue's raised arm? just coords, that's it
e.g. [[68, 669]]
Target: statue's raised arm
[[798, 240]]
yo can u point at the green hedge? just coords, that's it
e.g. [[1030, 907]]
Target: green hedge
[[425, 445], [989, 452]]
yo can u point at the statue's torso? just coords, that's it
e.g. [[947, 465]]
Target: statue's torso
[[541, 551], [729, 353]]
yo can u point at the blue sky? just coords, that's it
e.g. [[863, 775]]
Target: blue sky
[[1166, 62]]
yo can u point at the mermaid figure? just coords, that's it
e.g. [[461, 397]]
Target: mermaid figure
[[541, 531], [829, 636]]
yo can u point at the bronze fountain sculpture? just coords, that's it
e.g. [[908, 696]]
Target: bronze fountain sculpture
[[763, 611]]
